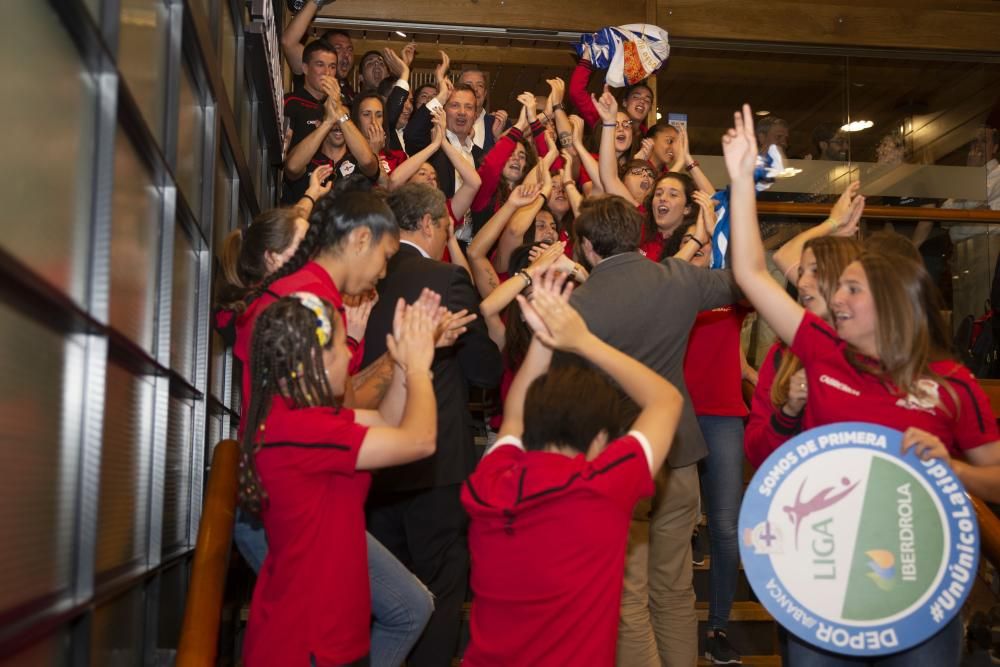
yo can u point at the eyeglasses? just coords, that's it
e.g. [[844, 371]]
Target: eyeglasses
[[639, 171], [623, 124]]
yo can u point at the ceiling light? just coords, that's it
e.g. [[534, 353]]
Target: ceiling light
[[401, 34], [857, 126], [762, 113]]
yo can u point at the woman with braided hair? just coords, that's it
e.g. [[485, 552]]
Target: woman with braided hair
[[304, 470]]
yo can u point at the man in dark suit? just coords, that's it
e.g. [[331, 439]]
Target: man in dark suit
[[414, 510], [484, 136], [459, 104], [658, 622]]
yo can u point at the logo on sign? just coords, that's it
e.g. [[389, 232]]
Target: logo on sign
[[853, 547]]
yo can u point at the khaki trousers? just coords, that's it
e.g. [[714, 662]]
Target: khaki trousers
[[658, 624]]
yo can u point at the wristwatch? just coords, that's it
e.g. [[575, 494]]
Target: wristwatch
[[343, 119]]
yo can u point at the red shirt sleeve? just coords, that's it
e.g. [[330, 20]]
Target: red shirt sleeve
[[767, 428], [621, 472], [815, 339], [578, 94], [314, 439], [975, 424], [491, 168]]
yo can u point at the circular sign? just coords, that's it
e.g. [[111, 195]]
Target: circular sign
[[854, 548]]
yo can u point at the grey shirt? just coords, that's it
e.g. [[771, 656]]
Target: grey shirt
[[646, 310]]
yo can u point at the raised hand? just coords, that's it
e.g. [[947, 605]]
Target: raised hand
[[357, 313], [682, 151], [411, 344], [527, 101], [523, 195], [451, 326], [578, 125], [445, 88], [438, 127], [409, 51], [546, 258], [607, 106], [739, 146], [562, 327], [398, 67], [798, 393], [522, 121], [333, 107], [441, 71], [645, 150], [499, 122], [846, 212], [376, 137], [707, 212], [556, 94], [566, 173], [320, 182]]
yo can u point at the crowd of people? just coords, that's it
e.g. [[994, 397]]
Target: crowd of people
[[557, 251]]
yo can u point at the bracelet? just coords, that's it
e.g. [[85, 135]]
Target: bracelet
[[691, 237], [609, 124], [309, 197], [343, 119], [694, 163], [557, 107], [834, 224], [527, 278]]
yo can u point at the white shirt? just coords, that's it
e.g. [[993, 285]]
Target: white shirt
[[419, 249], [465, 148], [479, 129]]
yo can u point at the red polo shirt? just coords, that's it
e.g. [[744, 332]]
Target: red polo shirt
[[311, 278], [712, 369], [547, 540], [312, 597], [840, 392], [651, 245]]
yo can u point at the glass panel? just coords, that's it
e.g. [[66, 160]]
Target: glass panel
[[184, 299], [123, 512], [47, 147], [52, 651], [228, 53], [246, 129], [190, 140], [218, 366], [36, 371], [142, 57], [117, 632], [214, 434], [134, 239], [221, 219], [177, 479], [173, 593]]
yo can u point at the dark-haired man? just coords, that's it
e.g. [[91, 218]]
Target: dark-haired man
[[414, 510], [658, 621], [459, 104], [338, 40]]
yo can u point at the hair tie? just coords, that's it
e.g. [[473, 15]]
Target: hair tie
[[324, 329]]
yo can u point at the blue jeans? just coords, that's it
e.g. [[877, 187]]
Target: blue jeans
[[942, 650], [722, 490], [401, 605]]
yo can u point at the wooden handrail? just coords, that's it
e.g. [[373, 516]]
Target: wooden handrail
[[202, 613], [890, 212], [989, 531]]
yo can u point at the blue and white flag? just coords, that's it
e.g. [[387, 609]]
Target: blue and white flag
[[630, 52]]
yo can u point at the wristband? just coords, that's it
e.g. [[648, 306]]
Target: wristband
[[692, 165], [557, 107], [309, 197], [691, 237], [834, 224], [609, 124], [527, 279]]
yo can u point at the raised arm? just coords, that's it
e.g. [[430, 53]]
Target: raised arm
[[510, 288], [587, 161], [535, 363], [297, 160], [405, 171], [483, 273], [702, 236], [557, 324], [739, 146], [607, 107], [357, 143], [399, 66], [416, 435], [554, 109], [291, 37], [683, 160], [471, 181], [843, 221], [578, 94], [524, 218], [320, 184]]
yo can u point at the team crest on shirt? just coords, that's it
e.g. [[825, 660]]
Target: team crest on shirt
[[346, 169], [925, 399]]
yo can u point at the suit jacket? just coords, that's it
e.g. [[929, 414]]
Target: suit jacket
[[646, 309], [393, 110], [418, 136], [474, 359]]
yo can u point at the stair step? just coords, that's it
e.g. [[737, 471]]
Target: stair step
[[743, 610], [752, 660]]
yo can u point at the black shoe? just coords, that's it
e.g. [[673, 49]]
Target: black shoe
[[720, 651], [697, 555]]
